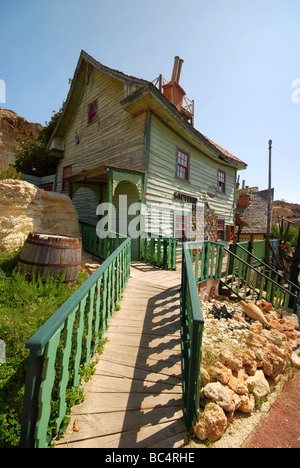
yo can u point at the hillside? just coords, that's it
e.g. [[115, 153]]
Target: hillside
[[13, 131], [290, 211]]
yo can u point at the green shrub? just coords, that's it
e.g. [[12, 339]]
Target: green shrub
[[10, 173]]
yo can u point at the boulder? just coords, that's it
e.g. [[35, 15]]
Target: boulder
[[273, 365], [230, 361], [25, 208], [222, 395], [212, 423], [220, 373], [247, 404], [259, 384]]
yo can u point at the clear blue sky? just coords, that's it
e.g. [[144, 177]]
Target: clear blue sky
[[241, 58]]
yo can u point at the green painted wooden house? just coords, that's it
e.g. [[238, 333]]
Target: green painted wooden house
[[122, 135]]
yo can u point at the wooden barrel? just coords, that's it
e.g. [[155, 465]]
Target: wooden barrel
[[50, 254]]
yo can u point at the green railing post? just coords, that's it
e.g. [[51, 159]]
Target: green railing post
[[192, 323], [31, 399]]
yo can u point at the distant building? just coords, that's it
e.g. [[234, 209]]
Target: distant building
[[252, 213]]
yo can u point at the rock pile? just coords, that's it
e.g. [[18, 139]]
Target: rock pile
[[241, 358]]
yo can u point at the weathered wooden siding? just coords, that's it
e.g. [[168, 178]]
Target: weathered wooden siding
[[203, 173], [116, 138]]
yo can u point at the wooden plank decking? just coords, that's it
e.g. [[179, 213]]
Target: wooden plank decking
[[134, 400]]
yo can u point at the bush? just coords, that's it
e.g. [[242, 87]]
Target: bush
[[10, 173]]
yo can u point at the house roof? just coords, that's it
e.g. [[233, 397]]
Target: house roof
[[144, 87]]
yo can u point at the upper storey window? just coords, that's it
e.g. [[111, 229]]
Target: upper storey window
[[221, 181], [182, 165], [93, 111]]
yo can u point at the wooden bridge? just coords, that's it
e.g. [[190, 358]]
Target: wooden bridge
[[135, 397]]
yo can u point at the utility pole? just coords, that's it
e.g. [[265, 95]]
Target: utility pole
[[269, 206]]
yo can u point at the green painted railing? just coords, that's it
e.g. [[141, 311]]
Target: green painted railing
[[65, 344], [192, 323], [259, 248], [250, 281], [97, 246], [243, 273], [266, 270], [159, 251]]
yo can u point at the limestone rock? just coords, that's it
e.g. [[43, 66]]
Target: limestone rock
[[13, 131], [259, 384], [24, 208], [222, 395], [247, 404], [273, 365], [221, 373], [212, 423], [230, 361], [238, 386], [295, 360], [205, 378]]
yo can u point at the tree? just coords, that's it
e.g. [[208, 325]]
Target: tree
[[30, 158]]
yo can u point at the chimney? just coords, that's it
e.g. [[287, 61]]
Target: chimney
[[173, 91], [177, 69]]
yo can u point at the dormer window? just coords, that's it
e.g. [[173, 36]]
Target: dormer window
[[93, 108]]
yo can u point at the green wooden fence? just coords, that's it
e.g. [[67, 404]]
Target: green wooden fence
[[159, 251], [65, 344], [192, 323], [243, 273], [100, 247], [255, 280]]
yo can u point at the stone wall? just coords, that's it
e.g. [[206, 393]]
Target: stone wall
[[25, 208]]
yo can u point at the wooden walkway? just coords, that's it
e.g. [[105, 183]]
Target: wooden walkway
[[134, 400]]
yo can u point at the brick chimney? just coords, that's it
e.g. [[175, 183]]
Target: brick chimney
[[173, 91]]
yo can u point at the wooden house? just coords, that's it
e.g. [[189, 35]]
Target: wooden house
[[122, 135]]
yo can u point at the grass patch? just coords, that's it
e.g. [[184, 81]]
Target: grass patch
[[24, 307]]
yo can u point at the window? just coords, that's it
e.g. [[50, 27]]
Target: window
[[182, 165], [181, 222], [93, 107], [221, 181], [221, 229], [67, 171]]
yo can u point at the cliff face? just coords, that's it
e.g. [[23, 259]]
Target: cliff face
[[13, 131]]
